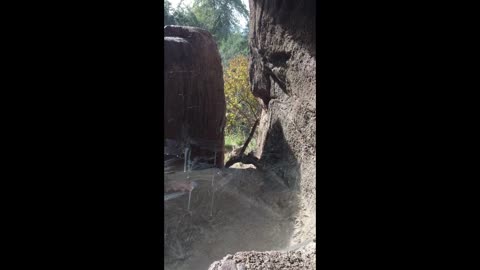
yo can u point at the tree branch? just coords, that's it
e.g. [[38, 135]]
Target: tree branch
[[239, 110], [249, 159]]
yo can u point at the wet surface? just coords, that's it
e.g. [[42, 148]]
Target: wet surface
[[230, 210]]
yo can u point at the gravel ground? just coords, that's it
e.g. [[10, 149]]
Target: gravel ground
[[302, 258]]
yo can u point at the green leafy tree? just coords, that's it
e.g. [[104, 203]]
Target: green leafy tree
[[236, 44], [168, 18], [186, 16], [242, 107], [219, 16]]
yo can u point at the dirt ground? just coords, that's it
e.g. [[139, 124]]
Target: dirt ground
[[303, 257], [249, 212]]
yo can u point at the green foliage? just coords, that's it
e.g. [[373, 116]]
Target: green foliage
[[234, 140], [242, 107], [237, 140], [219, 17], [235, 44], [168, 18], [186, 16]]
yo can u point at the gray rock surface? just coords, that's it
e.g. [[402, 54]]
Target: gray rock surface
[[282, 73], [194, 96], [283, 76]]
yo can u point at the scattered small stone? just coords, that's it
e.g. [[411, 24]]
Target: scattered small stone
[[304, 258]]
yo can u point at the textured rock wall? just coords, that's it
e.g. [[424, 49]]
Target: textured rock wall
[[282, 73], [194, 95]]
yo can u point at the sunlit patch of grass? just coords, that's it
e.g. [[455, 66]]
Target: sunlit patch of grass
[[233, 141]]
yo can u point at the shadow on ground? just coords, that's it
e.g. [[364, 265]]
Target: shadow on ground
[[244, 209]]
